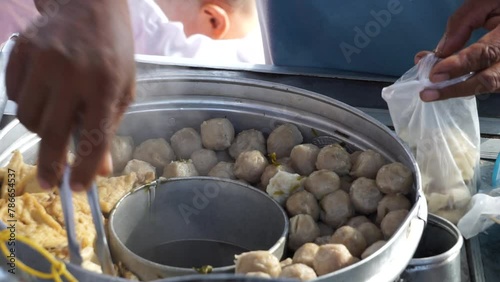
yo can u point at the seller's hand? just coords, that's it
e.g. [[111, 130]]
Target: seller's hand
[[76, 68], [482, 57]]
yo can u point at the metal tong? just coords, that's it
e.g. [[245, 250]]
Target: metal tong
[[101, 245]]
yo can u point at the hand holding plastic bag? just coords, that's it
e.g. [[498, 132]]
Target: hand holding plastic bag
[[444, 137]]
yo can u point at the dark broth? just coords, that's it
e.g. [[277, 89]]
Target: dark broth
[[193, 253]]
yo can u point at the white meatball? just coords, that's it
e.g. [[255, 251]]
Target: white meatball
[[304, 158], [336, 208], [321, 183], [185, 142], [298, 271], [156, 152], [204, 160], [391, 202], [305, 254], [282, 140], [372, 249], [144, 171], [121, 149], [371, 232], [286, 262], [356, 221], [222, 170], [283, 184], [332, 257], [271, 170], [335, 158], [302, 202], [394, 178], [354, 156], [180, 169], [365, 195], [367, 164], [392, 221], [258, 261], [250, 165], [259, 275], [303, 229], [217, 134], [248, 140], [351, 238]]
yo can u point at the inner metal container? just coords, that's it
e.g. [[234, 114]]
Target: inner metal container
[[166, 103], [216, 218]]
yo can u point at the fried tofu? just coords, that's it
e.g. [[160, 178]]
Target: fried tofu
[[112, 189]]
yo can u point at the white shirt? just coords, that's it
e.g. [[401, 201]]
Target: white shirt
[[154, 34]]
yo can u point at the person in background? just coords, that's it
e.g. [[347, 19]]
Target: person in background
[[78, 68], [482, 57]]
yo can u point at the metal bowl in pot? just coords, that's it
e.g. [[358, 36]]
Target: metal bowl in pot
[[168, 227], [167, 104]]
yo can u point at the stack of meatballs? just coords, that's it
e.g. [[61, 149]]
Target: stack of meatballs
[[343, 206]]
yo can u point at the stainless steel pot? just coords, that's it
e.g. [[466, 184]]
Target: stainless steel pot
[[166, 104], [437, 258]]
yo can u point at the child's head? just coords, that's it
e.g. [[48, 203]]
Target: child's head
[[217, 19]]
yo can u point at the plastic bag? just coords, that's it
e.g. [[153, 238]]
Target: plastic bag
[[443, 136], [484, 212]]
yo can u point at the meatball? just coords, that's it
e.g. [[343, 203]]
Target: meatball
[[324, 229], [390, 203], [356, 221], [322, 240], [283, 184], [335, 158], [370, 232], [156, 152], [303, 202], [394, 178], [217, 134], [351, 238], [250, 165], [336, 208], [298, 271], [282, 140], [271, 171], [306, 254], [392, 221], [346, 182], [248, 140], [121, 149], [259, 275], [180, 169], [303, 229], [365, 195], [321, 183], [204, 160], [367, 164], [354, 156], [144, 171], [223, 170], [286, 262], [258, 261], [332, 257], [304, 158], [185, 142], [372, 249]]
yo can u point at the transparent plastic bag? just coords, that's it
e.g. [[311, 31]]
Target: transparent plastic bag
[[484, 212], [444, 137]]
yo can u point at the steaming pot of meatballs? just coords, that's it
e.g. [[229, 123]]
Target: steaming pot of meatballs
[[350, 201]]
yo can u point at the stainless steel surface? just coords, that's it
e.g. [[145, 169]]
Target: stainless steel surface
[[4, 58], [167, 104], [198, 208], [69, 218], [437, 258]]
